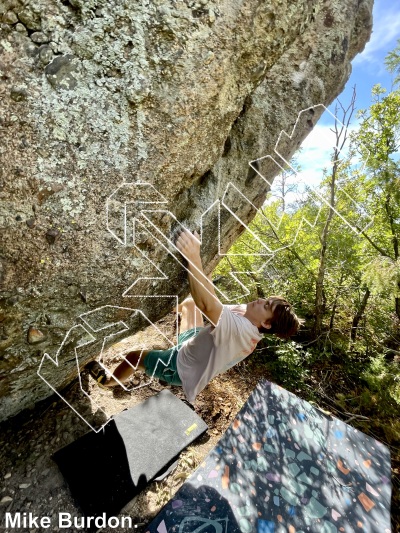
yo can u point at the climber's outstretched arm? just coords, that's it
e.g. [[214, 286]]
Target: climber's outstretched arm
[[201, 287]]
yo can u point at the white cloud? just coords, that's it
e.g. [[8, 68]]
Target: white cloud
[[314, 157], [317, 150]]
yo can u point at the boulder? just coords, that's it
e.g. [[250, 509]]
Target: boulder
[[122, 121]]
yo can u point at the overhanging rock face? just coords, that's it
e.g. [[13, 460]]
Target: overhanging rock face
[[111, 109]]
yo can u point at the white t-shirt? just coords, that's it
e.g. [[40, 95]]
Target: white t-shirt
[[215, 349]]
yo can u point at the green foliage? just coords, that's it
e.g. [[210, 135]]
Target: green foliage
[[392, 62], [287, 363], [383, 384], [382, 276]]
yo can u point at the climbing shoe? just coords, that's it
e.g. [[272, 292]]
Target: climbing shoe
[[97, 372]]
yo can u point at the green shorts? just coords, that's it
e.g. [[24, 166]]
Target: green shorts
[[162, 363]]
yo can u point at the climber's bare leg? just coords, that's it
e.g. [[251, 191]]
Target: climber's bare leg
[[191, 316], [133, 361]]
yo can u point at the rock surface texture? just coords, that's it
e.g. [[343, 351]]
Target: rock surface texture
[[111, 109]]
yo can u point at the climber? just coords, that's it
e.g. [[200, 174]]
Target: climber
[[202, 351]]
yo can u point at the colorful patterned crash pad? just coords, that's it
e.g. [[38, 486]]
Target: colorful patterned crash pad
[[284, 467]]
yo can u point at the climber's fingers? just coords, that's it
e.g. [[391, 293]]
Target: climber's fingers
[[188, 244]]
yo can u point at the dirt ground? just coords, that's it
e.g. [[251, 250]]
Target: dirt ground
[[31, 481]]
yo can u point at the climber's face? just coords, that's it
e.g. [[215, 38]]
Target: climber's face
[[260, 312]]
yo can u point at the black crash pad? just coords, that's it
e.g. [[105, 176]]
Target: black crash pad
[[284, 466], [106, 470]]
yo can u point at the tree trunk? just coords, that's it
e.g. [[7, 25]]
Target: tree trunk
[[359, 314], [319, 288], [341, 133], [256, 280], [335, 302]]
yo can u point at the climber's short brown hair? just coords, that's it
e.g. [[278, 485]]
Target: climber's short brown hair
[[284, 322]]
